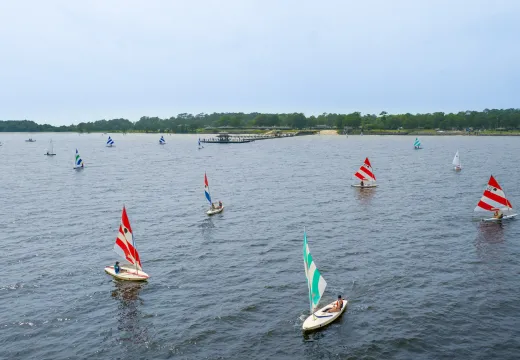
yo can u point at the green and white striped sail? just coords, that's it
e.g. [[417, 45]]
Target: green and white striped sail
[[417, 143], [315, 281]]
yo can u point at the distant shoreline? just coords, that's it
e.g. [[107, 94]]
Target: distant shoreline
[[326, 132]]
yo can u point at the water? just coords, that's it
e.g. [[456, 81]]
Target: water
[[422, 279]]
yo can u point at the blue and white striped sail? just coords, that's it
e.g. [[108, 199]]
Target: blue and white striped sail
[[78, 162], [315, 281], [162, 141], [199, 141], [110, 142], [417, 144]]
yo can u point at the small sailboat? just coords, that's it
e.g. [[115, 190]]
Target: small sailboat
[[125, 247], [110, 142], [50, 149], [494, 201], [78, 162], [30, 140], [213, 209], [162, 141], [317, 284], [456, 162], [200, 146], [417, 144], [366, 175]]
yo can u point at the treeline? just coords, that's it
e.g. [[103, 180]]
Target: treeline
[[188, 123]]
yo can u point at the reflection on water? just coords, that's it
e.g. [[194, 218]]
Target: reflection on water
[[364, 196], [489, 236], [129, 315], [490, 232]]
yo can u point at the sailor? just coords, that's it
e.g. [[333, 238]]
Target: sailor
[[338, 305], [220, 204], [362, 183], [117, 269]]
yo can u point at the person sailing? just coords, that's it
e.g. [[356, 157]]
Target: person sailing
[[338, 305], [362, 183], [117, 268], [220, 204], [498, 214]]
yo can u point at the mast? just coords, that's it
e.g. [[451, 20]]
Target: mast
[[135, 250]]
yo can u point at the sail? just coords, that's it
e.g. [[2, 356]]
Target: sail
[[493, 198], [161, 140], [365, 172], [125, 246], [315, 281], [456, 160], [417, 143], [50, 150], [78, 162], [206, 189], [199, 141], [110, 142]]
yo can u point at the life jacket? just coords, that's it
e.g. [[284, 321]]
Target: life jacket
[[339, 304]]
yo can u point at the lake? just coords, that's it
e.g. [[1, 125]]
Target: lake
[[423, 279]]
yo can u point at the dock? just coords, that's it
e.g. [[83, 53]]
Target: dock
[[225, 138]]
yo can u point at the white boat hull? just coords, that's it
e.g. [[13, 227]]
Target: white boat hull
[[322, 318], [215, 211], [457, 168], [49, 154], [505, 217], [127, 273], [364, 186]]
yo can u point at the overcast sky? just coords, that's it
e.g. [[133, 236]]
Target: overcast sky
[[68, 61]]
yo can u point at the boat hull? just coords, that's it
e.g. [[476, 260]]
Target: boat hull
[[457, 168], [505, 217], [214, 211], [322, 318], [49, 154], [364, 186], [127, 274]]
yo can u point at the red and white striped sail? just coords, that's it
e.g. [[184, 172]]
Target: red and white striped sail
[[493, 198], [365, 172], [124, 245]]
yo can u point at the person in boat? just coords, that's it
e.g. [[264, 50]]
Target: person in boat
[[338, 305], [362, 184], [117, 268], [498, 214], [220, 204]]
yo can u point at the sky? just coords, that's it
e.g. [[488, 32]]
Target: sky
[[64, 62]]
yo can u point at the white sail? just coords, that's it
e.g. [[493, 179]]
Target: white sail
[[456, 160], [50, 150]]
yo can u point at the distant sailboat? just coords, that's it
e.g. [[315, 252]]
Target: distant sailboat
[[78, 162], [494, 200], [200, 146], [125, 248], [317, 284], [162, 141], [366, 175], [110, 142], [50, 149], [417, 144], [456, 162], [212, 208]]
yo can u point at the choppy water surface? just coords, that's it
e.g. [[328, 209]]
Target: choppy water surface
[[423, 280]]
